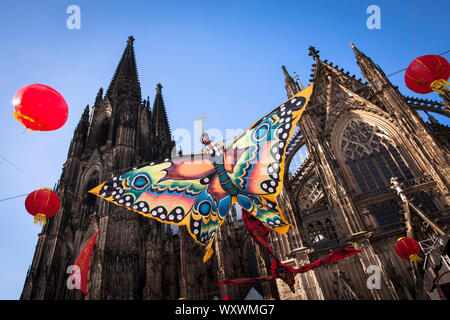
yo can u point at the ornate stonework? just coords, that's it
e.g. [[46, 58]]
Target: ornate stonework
[[360, 135], [361, 138]]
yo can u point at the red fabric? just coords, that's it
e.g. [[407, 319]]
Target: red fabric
[[257, 230], [283, 272], [39, 107], [334, 256], [43, 201], [406, 247], [225, 297], [83, 262], [277, 265], [260, 233], [424, 70], [244, 280]]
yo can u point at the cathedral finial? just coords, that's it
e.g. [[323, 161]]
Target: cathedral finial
[[289, 83], [373, 74], [313, 52], [130, 40], [99, 97], [355, 49], [298, 82], [86, 114], [159, 87]]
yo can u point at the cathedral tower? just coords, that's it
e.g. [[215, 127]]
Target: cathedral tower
[[118, 134]]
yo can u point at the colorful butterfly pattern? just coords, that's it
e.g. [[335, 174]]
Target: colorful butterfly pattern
[[198, 190]]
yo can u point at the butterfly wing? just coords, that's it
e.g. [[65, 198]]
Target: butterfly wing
[[208, 214], [182, 191], [256, 159]]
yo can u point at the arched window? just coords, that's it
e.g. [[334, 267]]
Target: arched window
[[321, 232], [102, 137], [373, 159], [371, 156], [91, 200]]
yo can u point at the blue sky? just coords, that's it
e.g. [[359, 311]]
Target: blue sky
[[221, 59]]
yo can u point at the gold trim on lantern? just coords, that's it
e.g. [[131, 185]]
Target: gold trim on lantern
[[18, 115], [415, 258], [40, 219], [440, 86]]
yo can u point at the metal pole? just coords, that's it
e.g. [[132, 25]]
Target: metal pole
[[430, 223], [409, 233]]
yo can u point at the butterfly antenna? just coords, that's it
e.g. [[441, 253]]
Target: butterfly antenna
[[200, 125]]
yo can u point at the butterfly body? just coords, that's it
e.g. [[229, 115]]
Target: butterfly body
[[215, 154], [198, 190]]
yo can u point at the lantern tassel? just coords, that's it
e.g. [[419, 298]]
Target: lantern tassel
[[440, 86], [415, 258], [40, 219]]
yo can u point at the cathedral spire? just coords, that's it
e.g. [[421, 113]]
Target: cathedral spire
[[99, 97], [84, 120], [125, 79], [79, 136], [290, 85], [163, 143], [159, 115], [371, 72]]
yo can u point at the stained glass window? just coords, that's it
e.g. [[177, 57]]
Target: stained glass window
[[372, 157]]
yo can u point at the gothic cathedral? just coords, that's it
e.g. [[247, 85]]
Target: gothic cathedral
[[357, 135]]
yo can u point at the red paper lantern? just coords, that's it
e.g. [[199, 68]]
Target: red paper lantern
[[427, 74], [42, 204], [39, 107], [408, 248]]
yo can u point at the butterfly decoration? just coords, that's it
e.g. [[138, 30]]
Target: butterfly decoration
[[198, 190]]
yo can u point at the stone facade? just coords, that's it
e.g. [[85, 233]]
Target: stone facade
[[358, 135]]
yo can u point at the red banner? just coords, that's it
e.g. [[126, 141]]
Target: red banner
[[260, 233], [83, 262]]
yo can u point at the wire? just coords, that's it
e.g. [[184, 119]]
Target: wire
[[14, 144], [21, 195], [18, 168], [124, 170], [396, 72]]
